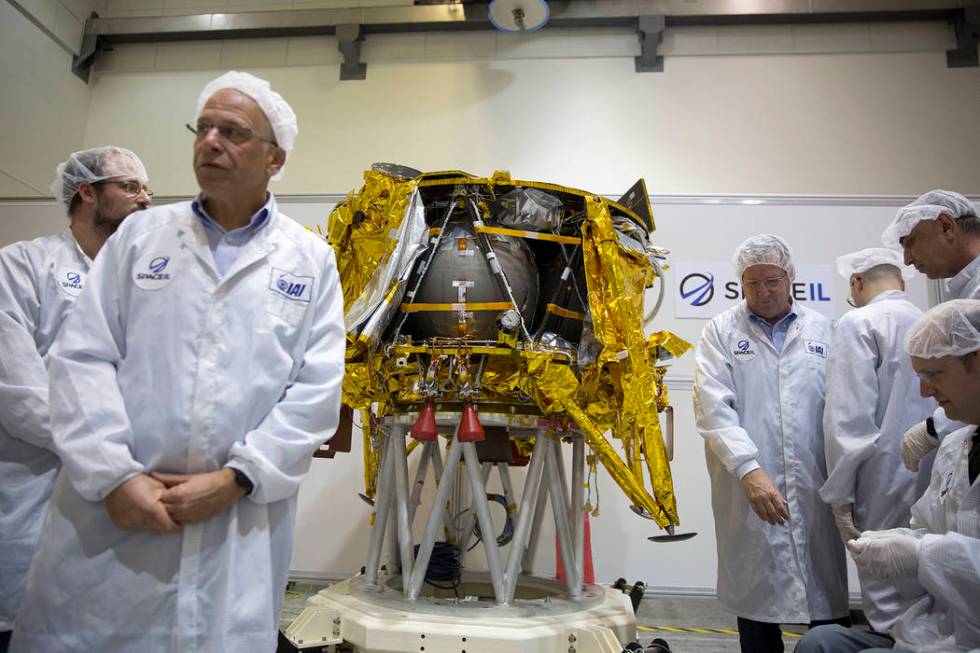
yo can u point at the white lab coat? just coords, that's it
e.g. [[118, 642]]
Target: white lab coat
[[756, 408], [164, 365], [965, 285], [39, 281], [872, 399], [946, 616]]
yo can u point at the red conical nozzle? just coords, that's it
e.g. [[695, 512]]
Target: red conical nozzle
[[425, 425], [470, 429]]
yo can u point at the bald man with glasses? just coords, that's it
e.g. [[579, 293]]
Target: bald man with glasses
[[201, 371]]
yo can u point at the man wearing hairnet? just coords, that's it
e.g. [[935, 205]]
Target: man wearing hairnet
[[936, 562], [39, 282], [198, 373], [940, 233], [758, 402], [872, 399]]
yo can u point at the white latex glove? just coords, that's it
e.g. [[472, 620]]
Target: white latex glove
[[844, 518], [886, 554], [916, 444]]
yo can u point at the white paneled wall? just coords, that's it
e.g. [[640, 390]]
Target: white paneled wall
[[43, 107], [62, 20], [877, 123]]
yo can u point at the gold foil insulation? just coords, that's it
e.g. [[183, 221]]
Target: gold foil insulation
[[614, 400]]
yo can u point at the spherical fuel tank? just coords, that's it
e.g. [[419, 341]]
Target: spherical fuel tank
[[459, 273]]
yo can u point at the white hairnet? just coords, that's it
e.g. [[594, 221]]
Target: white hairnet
[[865, 259], [764, 249], [276, 109], [926, 207], [92, 165], [949, 329]]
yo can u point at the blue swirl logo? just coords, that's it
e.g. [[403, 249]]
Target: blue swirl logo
[[74, 277], [698, 289], [159, 264], [743, 345], [282, 284]]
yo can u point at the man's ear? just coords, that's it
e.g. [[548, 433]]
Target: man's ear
[[973, 362], [277, 160], [87, 193], [947, 227]]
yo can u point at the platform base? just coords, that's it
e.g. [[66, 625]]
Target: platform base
[[540, 620]]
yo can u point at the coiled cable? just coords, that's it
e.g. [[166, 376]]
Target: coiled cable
[[507, 534]]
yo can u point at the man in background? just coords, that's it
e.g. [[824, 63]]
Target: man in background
[[758, 403], [940, 234], [39, 282], [936, 562], [872, 400]]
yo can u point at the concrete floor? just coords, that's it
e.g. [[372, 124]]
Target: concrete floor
[[662, 616], [688, 623]]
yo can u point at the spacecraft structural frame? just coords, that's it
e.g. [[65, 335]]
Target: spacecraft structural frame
[[449, 336]]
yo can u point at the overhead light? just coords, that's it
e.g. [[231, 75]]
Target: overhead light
[[519, 15]]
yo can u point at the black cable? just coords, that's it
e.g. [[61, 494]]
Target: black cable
[[444, 567], [507, 534]]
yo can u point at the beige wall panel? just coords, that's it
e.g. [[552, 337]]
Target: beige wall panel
[[43, 107], [879, 124]]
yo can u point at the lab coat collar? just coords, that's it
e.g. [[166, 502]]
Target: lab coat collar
[[753, 321], [193, 236], [886, 295], [190, 232], [258, 220], [70, 237], [955, 285]]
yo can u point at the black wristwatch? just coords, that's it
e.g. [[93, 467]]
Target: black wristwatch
[[243, 481], [931, 427]]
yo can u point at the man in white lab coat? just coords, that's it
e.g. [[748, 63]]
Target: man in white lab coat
[[940, 234], [936, 562], [872, 400], [39, 281], [758, 402], [198, 373]]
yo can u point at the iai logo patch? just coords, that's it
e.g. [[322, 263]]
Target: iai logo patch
[[154, 271], [292, 286], [743, 349], [816, 348], [71, 280]]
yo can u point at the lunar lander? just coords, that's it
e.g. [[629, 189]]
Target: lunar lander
[[494, 323]]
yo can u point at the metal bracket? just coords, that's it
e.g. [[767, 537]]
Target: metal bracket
[[651, 32], [349, 39], [81, 64], [967, 26]]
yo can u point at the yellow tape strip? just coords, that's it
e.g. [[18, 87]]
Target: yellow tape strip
[[520, 233], [532, 235], [716, 631], [564, 312], [456, 306]]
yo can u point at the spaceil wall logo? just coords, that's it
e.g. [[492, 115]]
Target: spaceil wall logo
[[702, 290]]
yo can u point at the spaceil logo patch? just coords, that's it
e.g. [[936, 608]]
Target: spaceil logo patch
[[71, 281], [294, 287], [153, 272], [744, 349]]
